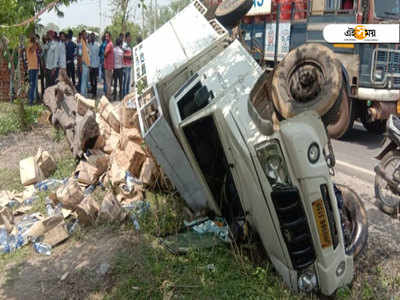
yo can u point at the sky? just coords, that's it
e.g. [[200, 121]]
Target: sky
[[86, 12]]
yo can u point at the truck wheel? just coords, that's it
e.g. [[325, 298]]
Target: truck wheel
[[389, 200], [308, 78], [229, 12], [339, 126], [355, 222], [376, 127]]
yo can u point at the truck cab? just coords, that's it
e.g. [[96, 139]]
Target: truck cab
[[371, 71]]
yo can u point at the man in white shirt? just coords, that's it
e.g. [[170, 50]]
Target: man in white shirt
[[94, 49], [51, 58], [61, 53], [127, 62]]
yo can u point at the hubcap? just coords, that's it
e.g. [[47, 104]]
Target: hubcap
[[305, 82]]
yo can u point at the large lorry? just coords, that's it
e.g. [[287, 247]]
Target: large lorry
[[370, 72], [204, 115]]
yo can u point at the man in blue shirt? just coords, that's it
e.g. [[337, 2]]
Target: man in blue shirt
[[94, 49], [70, 48], [51, 48], [101, 54]]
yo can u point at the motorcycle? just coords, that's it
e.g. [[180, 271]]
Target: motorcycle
[[387, 178]]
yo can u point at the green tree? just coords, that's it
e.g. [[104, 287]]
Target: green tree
[[79, 28], [164, 13], [116, 28]]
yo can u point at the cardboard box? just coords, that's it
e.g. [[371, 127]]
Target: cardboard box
[[56, 235], [88, 211], [29, 171], [45, 162], [7, 218], [110, 210], [41, 227], [70, 194], [148, 170]]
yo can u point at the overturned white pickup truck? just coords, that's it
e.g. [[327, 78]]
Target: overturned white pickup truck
[[198, 97]]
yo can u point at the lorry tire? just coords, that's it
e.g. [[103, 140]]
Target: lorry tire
[[338, 127], [391, 204], [308, 78], [229, 12], [376, 127], [355, 215]]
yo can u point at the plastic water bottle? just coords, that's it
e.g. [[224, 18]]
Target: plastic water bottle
[[58, 209], [29, 201], [73, 227], [4, 247], [48, 184], [42, 248]]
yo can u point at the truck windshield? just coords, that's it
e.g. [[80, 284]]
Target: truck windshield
[[387, 9]]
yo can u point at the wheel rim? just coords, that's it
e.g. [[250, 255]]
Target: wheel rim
[[306, 81], [385, 193]]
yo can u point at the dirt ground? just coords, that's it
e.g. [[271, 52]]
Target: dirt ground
[[378, 269], [15, 147], [78, 269]]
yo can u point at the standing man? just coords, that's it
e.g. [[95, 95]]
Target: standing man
[[51, 58], [118, 68], [127, 62], [79, 60], [109, 63], [70, 49], [33, 67], [94, 63], [62, 57], [85, 64], [101, 55]]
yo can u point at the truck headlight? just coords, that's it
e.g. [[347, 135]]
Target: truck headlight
[[273, 162], [307, 282], [313, 153]]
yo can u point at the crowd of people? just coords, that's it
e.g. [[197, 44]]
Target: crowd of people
[[85, 62]]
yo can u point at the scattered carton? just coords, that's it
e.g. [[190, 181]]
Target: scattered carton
[[41, 227], [56, 235], [87, 211], [136, 157], [46, 162], [147, 171], [111, 210], [29, 171], [87, 173], [70, 194], [107, 112], [7, 218]]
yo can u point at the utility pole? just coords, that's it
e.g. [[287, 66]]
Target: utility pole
[[155, 15], [143, 33], [101, 17]]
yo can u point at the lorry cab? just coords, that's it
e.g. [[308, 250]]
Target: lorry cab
[[371, 71]]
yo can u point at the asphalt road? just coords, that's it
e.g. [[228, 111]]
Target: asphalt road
[[355, 154]]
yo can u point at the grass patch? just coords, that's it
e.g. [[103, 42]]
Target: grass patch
[[65, 167], [150, 273], [10, 180], [165, 215], [11, 120], [15, 257]]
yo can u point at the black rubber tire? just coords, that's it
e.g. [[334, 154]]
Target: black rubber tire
[[377, 127], [338, 127], [229, 12], [389, 208], [355, 208], [313, 55]]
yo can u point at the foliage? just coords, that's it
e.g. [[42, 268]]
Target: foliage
[[116, 28], [81, 27], [16, 11], [164, 14], [10, 120], [124, 10]]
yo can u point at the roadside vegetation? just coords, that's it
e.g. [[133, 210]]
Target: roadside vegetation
[[15, 117]]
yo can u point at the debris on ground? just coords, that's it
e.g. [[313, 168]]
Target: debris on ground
[[105, 139]]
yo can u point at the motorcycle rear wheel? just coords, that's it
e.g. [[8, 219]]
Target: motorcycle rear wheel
[[388, 200]]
